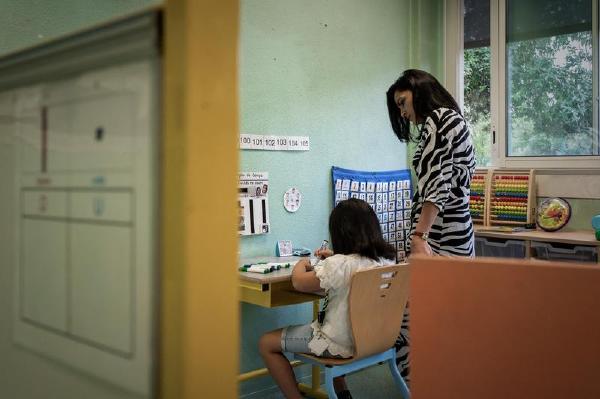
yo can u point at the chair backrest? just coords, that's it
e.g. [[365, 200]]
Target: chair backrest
[[376, 303]]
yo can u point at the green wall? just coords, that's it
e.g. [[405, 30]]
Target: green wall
[[25, 23], [321, 69]]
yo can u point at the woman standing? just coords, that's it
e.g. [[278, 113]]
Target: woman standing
[[444, 163]]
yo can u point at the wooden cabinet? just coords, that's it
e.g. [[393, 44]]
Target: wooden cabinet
[[574, 246]]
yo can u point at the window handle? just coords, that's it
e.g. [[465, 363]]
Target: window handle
[[493, 137]]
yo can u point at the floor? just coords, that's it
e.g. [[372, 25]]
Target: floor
[[373, 383]]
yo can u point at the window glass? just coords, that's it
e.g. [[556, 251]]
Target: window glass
[[477, 76], [549, 78]]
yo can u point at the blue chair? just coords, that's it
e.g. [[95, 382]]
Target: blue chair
[[377, 300]]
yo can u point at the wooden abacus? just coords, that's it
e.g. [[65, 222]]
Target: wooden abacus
[[503, 197], [479, 188], [512, 198]]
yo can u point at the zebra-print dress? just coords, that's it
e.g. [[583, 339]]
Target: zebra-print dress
[[444, 163]]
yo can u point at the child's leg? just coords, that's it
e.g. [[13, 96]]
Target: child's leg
[[339, 384], [278, 365]]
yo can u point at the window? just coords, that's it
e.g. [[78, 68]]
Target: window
[[529, 80], [476, 77], [549, 78]]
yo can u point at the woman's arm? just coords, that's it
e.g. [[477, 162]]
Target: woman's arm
[[304, 278], [417, 244]]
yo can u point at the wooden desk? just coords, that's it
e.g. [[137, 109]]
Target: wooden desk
[[275, 289], [272, 289]]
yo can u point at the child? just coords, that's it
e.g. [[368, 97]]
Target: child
[[357, 244]]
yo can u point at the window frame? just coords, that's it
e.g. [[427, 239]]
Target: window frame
[[453, 74]]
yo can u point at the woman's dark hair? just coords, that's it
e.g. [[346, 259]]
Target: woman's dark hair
[[354, 229], [428, 95]]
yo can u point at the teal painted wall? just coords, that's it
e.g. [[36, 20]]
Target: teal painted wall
[[25, 23], [321, 69]]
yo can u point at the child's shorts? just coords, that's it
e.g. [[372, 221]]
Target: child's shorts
[[296, 338]]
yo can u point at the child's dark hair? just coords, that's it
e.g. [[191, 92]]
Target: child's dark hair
[[428, 95], [354, 229]]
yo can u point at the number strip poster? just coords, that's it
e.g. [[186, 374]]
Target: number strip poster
[[390, 195], [274, 143], [253, 203]]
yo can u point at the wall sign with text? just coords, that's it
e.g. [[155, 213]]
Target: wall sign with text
[[253, 203], [274, 143]]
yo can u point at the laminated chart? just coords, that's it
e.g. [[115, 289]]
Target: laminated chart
[[253, 203], [390, 195]]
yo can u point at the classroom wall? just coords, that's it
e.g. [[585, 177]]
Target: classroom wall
[[25, 23], [24, 375], [321, 69], [582, 212]]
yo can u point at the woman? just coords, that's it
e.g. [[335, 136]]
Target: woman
[[443, 163]]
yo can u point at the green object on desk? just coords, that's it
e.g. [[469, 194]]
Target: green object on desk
[[598, 235]]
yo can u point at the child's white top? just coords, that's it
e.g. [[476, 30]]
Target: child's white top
[[335, 273]]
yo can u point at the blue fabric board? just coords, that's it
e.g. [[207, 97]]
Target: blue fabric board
[[388, 192]]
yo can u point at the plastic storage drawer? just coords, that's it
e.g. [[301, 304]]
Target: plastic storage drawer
[[499, 247], [564, 252]]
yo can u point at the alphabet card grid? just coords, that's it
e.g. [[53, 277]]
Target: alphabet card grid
[[389, 193]]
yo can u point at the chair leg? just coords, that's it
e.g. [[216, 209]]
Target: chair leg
[[329, 383], [398, 378]]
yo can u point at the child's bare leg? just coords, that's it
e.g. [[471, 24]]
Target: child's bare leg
[[278, 365], [339, 384]]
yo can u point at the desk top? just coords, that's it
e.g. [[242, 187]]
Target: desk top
[[581, 237], [283, 274]]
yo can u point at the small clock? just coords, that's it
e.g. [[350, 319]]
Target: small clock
[[553, 214]]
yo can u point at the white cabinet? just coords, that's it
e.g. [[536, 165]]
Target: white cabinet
[[102, 143], [44, 132], [114, 206], [30, 138], [85, 204], [101, 285], [77, 264], [52, 203], [44, 273], [58, 125], [74, 136]]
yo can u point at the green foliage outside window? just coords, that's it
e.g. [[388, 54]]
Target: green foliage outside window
[[549, 97], [477, 101]]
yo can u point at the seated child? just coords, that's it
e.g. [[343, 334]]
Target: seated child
[[357, 244]]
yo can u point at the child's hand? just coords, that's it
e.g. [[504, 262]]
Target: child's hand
[[304, 263], [323, 253]]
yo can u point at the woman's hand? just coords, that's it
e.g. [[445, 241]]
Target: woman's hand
[[419, 246], [323, 253]]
